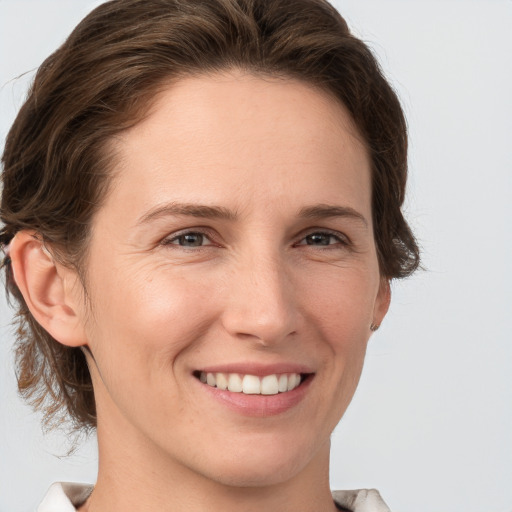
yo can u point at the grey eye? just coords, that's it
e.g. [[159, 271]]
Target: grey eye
[[320, 239], [190, 240]]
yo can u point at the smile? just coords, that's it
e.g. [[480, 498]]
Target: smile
[[252, 384]]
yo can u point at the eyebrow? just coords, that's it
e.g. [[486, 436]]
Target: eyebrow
[[318, 211], [188, 209], [325, 211]]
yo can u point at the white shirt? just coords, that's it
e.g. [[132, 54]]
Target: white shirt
[[65, 497]]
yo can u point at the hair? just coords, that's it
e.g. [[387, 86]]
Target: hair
[[57, 164]]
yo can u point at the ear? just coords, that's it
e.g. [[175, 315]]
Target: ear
[[50, 290], [382, 302]]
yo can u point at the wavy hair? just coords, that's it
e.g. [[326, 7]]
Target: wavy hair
[[56, 163]]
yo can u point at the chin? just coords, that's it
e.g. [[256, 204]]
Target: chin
[[245, 475], [262, 464]]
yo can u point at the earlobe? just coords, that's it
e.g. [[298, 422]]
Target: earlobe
[[381, 304], [47, 288]]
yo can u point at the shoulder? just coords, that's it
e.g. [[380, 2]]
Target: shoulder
[[360, 500], [64, 497]]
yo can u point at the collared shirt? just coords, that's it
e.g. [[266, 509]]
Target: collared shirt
[[65, 497]]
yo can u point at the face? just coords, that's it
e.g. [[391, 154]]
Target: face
[[236, 246]]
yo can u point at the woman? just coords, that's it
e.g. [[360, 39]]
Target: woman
[[201, 213]]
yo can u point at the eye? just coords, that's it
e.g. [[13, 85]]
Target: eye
[[322, 239], [189, 239]]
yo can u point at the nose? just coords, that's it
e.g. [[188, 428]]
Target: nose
[[260, 301]]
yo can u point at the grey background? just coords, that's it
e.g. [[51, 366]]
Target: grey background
[[431, 423]]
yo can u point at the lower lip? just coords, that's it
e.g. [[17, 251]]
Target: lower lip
[[259, 405]]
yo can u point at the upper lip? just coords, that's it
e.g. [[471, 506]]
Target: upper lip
[[257, 369]]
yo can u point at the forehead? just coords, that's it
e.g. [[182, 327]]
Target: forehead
[[254, 106], [219, 136]]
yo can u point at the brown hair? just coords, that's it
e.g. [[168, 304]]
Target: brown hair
[[101, 80]]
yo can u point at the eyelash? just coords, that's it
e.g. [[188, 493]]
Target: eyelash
[[176, 237], [339, 237]]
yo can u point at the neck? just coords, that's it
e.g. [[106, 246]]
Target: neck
[[134, 475]]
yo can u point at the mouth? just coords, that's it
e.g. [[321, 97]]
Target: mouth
[[247, 384]]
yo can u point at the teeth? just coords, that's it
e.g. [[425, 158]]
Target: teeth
[[270, 385], [293, 381], [221, 381], [282, 385], [251, 384], [235, 383]]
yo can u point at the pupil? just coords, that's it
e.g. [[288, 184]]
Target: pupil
[[318, 239], [191, 240]]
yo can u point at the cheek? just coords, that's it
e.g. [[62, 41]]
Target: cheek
[[145, 323], [341, 303], [340, 307], [139, 333]]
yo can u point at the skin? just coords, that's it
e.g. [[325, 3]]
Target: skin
[[266, 285]]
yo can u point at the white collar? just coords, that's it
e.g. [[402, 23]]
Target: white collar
[[66, 496]]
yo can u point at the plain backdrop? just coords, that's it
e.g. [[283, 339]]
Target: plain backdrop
[[431, 423]]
